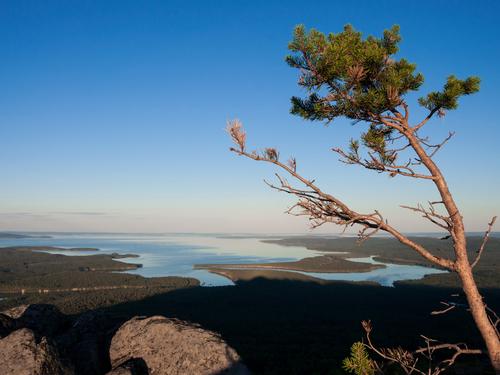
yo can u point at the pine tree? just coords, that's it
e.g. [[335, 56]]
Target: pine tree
[[361, 79], [359, 362]]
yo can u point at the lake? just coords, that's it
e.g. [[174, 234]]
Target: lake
[[175, 255]]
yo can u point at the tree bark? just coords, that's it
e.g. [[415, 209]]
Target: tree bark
[[462, 264], [479, 313]]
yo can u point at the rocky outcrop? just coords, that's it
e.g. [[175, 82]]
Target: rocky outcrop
[[122, 370], [40, 340], [86, 343], [173, 347], [7, 325], [21, 354], [16, 312], [44, 320], [135, 366]]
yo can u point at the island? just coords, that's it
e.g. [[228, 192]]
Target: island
[[281, 270], [75, 283]]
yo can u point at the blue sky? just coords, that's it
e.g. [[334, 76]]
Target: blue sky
[[112, 113]]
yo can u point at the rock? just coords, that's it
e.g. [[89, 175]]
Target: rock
[[7, 325], [20, 354], [45, 320], [15, 312], [121, 371], [135, 366], [173, 347], [86, 343]]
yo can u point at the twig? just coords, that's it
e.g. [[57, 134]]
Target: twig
[[444, 311]]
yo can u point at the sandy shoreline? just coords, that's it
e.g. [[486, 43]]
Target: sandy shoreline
[[236, 275], [289, 270], [323, 263]]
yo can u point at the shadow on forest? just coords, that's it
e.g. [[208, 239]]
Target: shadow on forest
[[296, 327]]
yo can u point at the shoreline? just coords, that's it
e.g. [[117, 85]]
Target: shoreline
[[384, 250], [390, 251], [83, 281], [319, 264], [237, 275], [290, 270], [34, 275], [247, 275]]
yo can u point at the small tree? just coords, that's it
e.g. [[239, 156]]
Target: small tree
[[359, 362], [434, 358], [359, 79]]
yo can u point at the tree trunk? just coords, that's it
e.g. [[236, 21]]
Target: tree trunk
[[479, 313], [462, 264]]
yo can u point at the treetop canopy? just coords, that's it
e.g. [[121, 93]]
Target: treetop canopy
[[360, 79]]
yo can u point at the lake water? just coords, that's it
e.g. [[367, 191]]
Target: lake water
[[175, 255], [383, 276]]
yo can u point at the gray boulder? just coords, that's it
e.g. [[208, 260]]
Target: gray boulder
[[21, 354], [173, 347]]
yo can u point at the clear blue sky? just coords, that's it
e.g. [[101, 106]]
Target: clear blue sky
[[112, 113]]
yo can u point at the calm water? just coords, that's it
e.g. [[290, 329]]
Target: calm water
[[383, 276], [175, 255]]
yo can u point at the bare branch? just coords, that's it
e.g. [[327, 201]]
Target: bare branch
[[494, 319], [436, 202], [324, 208], [448, 307], [483, 243], [457, 349], [377, 165], [431, 215], [436, 147], [408, 361]]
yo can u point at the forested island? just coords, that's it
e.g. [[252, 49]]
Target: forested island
[[75, 283]]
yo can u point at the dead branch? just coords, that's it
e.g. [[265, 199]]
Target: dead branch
[[457, 350], [323, 207], [483, 243], [377, 165], [431, 215], [436, 147], [493, 318], [408, 361], [449, 307]]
